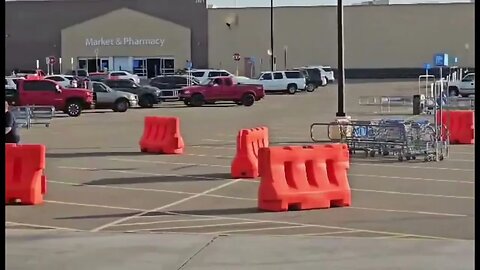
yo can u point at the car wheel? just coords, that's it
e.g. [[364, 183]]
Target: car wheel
[[197, 100], [73, 109], [248, 100], [310, 87], [121, 106], [292, 89], [453, 91]]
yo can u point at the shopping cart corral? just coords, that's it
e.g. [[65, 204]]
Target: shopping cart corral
[[385, 103], [404, 139], [27, 116]]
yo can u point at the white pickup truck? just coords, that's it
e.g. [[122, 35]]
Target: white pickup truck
[[290, 81], [465, 87]]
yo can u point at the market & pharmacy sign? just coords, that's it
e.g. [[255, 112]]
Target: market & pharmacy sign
[[124, 41]]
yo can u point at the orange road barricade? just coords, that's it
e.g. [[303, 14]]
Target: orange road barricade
[[249, 141], [162, 135], [459, 124], [25, 182], [303, 177]]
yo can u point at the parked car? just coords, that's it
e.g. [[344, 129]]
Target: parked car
[[326, 71], [107, 98], [10, 83], [204, 74], [71, 101], [64, 80], [80, 73], [147, 95], [98, 76], [286, 81], [465, 87], [170, 85], [123, 75], [221, 89], [26, 72], [313, 78]]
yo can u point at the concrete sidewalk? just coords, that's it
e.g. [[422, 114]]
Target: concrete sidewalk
[[48, 249]]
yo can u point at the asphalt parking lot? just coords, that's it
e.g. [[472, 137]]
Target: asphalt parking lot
[[99, 181]]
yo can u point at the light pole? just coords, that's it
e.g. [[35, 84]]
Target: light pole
[[341, 68], [271, 36]]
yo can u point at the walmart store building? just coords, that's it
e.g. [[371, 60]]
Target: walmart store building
[[146, 37], [151, 37]]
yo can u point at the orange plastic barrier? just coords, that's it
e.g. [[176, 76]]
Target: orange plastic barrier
[[303, 177], [25, 182], [249, 141], [460, 125], [162, 135]]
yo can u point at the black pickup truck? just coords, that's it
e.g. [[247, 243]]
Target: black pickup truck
[[147, 95]]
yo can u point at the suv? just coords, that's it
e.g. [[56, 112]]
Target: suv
[[290, 81], [464, 87], [313, 77], [326, 71], [171, 85], [147, 95], [107, 98], [204, 74]]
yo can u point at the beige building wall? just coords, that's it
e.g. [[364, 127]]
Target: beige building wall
[[385, 36], [159, 38]]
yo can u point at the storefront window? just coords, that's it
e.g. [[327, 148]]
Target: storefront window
[[140, 67]]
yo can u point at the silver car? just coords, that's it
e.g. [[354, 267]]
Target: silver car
[[107, 98]]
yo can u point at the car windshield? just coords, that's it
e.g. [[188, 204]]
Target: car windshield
[[327, 69], [206, 81]]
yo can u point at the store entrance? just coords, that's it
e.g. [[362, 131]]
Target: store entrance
[[153, 67]]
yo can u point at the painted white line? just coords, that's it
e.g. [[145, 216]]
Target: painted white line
[[214, 147], [165, 162], [315, 225], [215, 140], [146, 173], [372, 164], [40, 226], [408, 212], [197, 226], [146, 190], [327, 233], [95, 205], [410, 178], [165, 221], [413, 194], [259, 229], [122, 220]]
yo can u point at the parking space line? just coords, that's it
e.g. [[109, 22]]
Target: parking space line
[[142, 173], [259, 229], [166, 162], [163, 206], [244, 199], [95, 205], [146, 189], [40, 226], [414, 194], [198, 226], [412, 178], [166, 221], [409, 167], [327, 233], [321, 226]]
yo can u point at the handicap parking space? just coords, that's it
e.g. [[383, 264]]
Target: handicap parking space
[[99, 180]]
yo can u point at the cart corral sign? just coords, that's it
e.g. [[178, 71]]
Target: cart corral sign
[[124, 41]]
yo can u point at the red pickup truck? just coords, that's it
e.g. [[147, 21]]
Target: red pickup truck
[[48, 93], [221, 89]]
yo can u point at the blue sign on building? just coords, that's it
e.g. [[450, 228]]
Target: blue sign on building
[[440, 60], [188, 65], [427, 66]]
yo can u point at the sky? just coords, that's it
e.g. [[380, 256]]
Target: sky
[[264, 3]]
